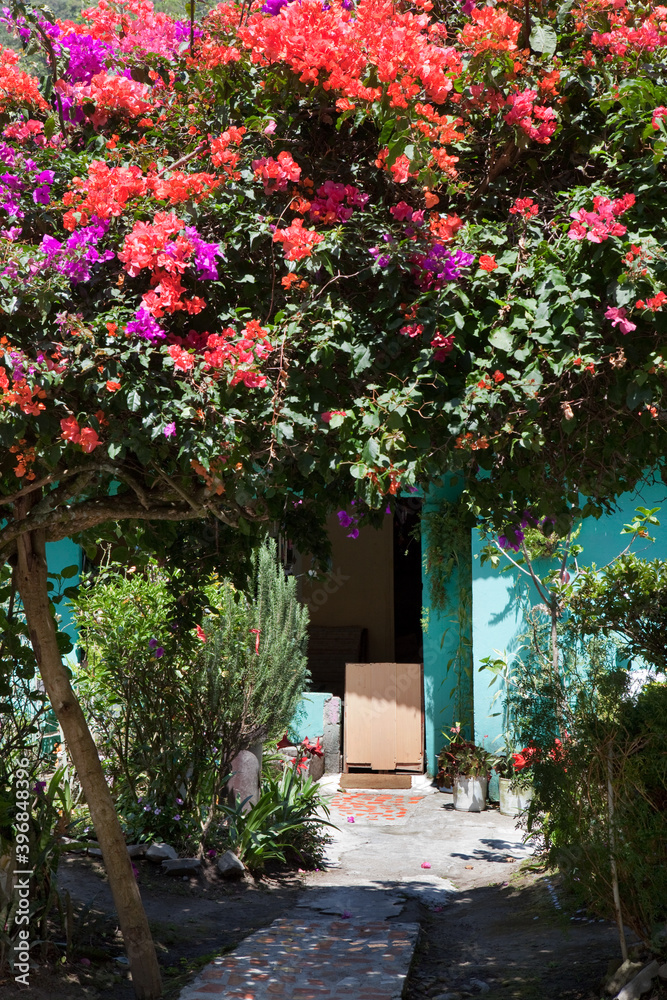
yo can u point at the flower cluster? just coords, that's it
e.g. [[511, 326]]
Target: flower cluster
[[601, 223], [537, 121], [76, 257], [328, 205], [222, 155], [524, 207], [297, 242], [276, 174], [86, 437], [150, 246], [17, 88], [21, 178], [440, 265]]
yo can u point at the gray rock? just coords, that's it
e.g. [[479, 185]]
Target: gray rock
[[316, 767], [640, 984], [95, 852], [181, 865], [448, 996], [229, 865], [481, 985], [161, 852], [137, 850], [244, 782], [622, 975], [662, 971]]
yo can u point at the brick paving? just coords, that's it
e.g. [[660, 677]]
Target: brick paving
[[314, 959], [372, 806]]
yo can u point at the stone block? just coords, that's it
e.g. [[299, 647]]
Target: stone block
[[244, 782], [316, 766], [331, 740], [182, 866], [161, 852]]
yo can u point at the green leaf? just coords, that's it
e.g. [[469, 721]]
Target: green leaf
[[543, 39], [502, 339], [133, 400], [358, 471]]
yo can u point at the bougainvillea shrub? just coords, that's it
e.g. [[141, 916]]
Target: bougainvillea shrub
[[244, 258]]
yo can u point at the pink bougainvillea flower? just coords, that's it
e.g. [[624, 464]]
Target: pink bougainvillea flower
[[426, 864], [618, 318], [350, 819]]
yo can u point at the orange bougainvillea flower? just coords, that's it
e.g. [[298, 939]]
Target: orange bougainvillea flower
[[297, 241], [112, 386], [487, 262]]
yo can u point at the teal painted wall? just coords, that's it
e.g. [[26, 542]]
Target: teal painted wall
[[309, 717], [447, 635], [60, 555], [497, 599]]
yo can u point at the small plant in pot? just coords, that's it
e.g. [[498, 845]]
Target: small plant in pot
[[515, 780], [467, 767]]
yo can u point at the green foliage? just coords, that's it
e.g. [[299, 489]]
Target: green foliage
[[285, 823], [51, 809], [172, 711], [629, 598], [463, 757], [611, 735]]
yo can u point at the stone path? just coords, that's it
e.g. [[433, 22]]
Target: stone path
[[346, 938], [320, 959]]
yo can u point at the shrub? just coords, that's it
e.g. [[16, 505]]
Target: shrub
[[172, 705], [600, 801]]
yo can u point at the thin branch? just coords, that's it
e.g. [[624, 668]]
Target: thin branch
[[184, 159], [38, 483]]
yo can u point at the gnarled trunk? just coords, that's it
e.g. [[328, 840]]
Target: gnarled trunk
[[31, 581]]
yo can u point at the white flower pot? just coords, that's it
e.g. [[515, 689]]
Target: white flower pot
[[470, 793], [513, 801]]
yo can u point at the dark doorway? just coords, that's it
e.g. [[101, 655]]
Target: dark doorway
[[407, 582]]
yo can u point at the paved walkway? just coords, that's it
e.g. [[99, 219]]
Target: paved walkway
[[347, 937]]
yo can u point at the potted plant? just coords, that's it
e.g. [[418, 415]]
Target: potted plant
[[515, 780], [467, 766]]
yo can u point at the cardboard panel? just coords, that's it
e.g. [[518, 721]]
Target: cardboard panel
[[409, 740], [358, 698], [383, 716]]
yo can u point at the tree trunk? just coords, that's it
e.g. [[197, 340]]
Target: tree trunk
[[31, 581]]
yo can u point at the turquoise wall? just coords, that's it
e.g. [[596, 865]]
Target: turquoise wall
[[309, 717], [497, 599], [60, 555], [447, 635]]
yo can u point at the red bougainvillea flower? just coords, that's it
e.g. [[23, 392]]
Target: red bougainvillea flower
[[487, 262], [525, 207], [654, 303], [276, 174], [443, 346]]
